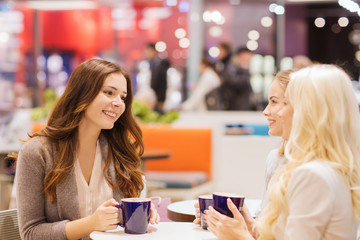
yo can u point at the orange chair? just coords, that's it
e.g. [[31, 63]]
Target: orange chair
[[188, 171]]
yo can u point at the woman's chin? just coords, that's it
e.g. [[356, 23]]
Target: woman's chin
[[274, 133]]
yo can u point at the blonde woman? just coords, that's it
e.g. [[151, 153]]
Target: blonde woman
[[315, 195], [275, 158]]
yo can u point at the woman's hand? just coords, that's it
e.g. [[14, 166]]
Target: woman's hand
[[197, 219], [249, 220], [154, 215], [106, 216], [226, 228]]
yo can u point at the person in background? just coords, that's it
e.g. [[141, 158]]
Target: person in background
[[158, 67], [209, 80], [236, 85], [15, 123], [70, 175], [275, 158], [315, 195], [301, 61], [224, 57], [7, 108]]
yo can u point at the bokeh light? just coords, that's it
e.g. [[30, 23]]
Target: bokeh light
[[252, 45], [180, 33], [266, 21], [214, 52], [215, 31], [207, 16], [253, 35], [319, 22], [184, 43], [343, 21], [279, 10], [160, 46]]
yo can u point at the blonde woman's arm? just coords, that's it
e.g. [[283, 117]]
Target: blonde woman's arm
[[319, 205]]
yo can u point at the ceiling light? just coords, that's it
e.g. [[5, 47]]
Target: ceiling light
[[61, 5]]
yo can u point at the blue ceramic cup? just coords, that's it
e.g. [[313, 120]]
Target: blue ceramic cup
[[205, 201], [134, 214], [220, 202]]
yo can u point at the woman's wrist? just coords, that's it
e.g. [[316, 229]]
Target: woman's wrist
[[79, 228], [89, 221], [250, 236], [252, 230]]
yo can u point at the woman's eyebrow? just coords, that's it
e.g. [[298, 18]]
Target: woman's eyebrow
[[112, 87], [123, 92], [273, 97]]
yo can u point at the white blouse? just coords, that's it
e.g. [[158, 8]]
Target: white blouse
[[98, 191], [273, 163], [92, 195]]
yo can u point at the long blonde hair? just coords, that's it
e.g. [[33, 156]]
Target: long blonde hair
[[283, 78], [325, 126]]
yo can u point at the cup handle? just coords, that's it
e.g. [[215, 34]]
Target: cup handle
[[120, 215], [156, 198]]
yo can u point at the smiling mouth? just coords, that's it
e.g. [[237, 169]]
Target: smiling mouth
[[109, 114]]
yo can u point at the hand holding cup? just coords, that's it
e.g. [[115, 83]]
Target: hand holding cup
[[220, 202]]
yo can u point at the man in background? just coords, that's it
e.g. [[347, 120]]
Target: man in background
[[158, 68], [224, 57], [236, 81]]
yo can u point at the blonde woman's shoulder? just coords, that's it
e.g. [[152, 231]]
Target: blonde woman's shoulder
[[317, 172]]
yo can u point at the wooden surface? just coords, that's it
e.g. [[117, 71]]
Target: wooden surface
[[155, 154], [182, 211]]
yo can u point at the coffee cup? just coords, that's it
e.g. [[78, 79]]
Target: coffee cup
[[220, 202], [204, 202], [134, 214]]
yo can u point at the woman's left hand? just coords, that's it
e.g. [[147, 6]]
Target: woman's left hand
[[154, 216], [226, 228]]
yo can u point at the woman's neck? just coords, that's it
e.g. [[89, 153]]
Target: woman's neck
[[87, 138]]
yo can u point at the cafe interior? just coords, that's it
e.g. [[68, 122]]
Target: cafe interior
[[187, 153]]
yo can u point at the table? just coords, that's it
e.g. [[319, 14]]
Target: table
[[3, 154], [151, 154], [161, 231], [155, 154], [184, 211]]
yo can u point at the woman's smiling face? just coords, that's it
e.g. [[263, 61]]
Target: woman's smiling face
[[108, 105], [276, 102], [286, 116]]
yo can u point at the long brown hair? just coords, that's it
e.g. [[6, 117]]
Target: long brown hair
[[125, 143]]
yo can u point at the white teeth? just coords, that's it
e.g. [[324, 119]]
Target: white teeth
[[110, 114]]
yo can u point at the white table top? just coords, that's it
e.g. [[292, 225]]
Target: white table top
[[161, 231], [184, 207], [187, 207]]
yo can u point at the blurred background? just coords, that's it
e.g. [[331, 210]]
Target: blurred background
[[190, 43], [42, 41]]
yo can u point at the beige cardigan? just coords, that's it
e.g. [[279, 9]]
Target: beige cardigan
[[38, 217], [320, 205]]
